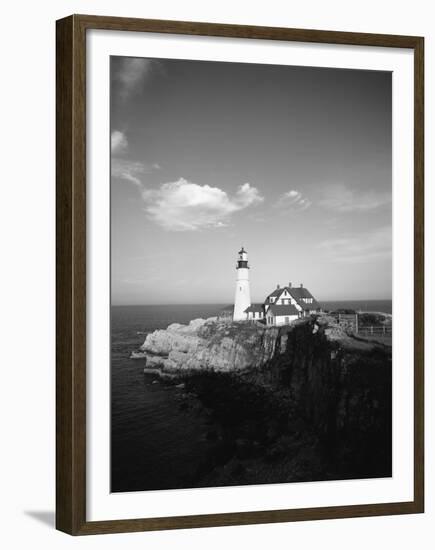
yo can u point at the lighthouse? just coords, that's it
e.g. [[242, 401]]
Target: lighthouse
[[242, 298]]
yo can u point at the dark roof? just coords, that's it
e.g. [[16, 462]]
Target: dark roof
[[242, 251], [286, 309], [254, 307], [276, 292], [308, 307], [298, 293], [228, 308]]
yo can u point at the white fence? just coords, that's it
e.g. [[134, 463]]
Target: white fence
[[384, 330]]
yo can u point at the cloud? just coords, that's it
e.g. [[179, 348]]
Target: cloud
[[131, 171], [186, 206], [128, 170], [293, 200], [372, 245], [340, 198], [118, 141], [130, 74]]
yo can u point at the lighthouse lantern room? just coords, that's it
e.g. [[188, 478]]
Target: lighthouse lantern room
[[242, 298]]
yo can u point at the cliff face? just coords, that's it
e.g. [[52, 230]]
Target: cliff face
[[342, 388], [205, 345]]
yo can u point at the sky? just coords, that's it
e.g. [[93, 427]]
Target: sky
[[293, 163]]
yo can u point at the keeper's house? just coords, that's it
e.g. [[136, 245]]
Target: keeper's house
[[284, 305]]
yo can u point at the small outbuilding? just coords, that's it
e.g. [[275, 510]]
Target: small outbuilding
[[255, 312]]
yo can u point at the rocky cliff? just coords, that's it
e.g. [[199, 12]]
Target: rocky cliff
[[342, 388], [223, 346], [210, 345], [300, 402]]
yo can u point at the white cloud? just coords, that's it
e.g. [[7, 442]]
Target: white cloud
[[186, 206], [130, 74], [340, 198], [118, 141], [293, 200], [128, 170], [364, 247]]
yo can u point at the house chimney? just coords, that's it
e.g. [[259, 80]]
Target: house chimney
[[302, 285], [277, 286], [289, 285]]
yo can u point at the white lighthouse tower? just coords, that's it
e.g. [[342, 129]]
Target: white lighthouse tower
[[242, 298]]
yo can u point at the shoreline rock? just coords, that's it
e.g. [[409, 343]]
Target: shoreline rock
[[210, 344], [215, 345]]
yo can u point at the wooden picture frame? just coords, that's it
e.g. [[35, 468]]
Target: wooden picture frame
[[71, 274]]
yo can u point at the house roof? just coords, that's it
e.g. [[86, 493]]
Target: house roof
[[254, 307], [299, 292], [228, 308], [286, 309], [276, 292]]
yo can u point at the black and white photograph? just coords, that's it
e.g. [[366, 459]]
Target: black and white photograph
[[251, 274]]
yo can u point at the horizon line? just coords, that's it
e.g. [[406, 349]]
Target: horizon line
[[228, 302]]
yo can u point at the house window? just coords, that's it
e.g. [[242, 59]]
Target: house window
[[287, 320]]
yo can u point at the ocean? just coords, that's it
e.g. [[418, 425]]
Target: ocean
[[155, 443]]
